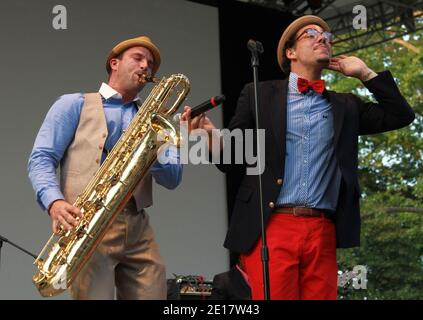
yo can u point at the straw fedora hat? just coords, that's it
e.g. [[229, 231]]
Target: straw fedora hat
[[142, 41]]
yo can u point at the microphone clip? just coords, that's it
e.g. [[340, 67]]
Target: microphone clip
[[256, 48]]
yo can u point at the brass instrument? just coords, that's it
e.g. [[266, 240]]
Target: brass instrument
[[112, 186]]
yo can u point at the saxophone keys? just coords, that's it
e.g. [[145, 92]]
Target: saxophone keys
[[98, 204], [114, 179], [63, 242], [100, 188]]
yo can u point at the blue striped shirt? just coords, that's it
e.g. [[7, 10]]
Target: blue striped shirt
[[312, 176], [57, 132]]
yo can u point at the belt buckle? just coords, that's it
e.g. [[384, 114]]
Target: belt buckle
[[295, 211]]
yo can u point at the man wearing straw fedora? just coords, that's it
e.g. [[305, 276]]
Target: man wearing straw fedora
[[310, 181], [77, 133]]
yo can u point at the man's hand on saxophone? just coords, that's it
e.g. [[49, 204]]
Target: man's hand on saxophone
[[63, 214]]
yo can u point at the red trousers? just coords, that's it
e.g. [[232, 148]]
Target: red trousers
[[302, 259]]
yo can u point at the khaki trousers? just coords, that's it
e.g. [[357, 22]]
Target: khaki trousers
[[127, 259]]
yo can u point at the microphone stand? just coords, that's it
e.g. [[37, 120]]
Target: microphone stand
[[256, 48], [3, 239]]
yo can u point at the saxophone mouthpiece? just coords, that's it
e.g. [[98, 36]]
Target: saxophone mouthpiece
[[145, 78]]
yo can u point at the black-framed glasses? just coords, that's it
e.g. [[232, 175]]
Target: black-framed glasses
[[314, 34]]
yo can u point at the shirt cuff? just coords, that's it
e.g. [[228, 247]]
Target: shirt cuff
[[48, 197], [380, 75]]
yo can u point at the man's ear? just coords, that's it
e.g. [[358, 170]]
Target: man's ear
[[114, 63], [290, 53]]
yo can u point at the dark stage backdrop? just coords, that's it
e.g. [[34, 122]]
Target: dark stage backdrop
[[239, 22]]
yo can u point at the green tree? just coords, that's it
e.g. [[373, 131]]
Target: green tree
[[390, 167]]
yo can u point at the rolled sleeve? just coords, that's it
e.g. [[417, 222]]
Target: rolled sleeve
[[53, 138], [167, 170]]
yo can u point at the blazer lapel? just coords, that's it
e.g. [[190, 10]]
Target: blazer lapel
[[338, 113], [278, 114]]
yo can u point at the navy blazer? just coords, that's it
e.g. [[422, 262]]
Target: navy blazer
[[352, 117]]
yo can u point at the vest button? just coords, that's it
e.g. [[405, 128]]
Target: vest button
[[271, 205], [104, 135], [279, 181], [100, 147], [97, 160]]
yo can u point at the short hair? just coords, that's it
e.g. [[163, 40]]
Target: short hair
[[286, 65]]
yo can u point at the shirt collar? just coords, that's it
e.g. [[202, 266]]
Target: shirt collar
[[108, 92], [293, 80]]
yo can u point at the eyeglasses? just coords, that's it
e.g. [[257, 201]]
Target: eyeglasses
[[314, 34]]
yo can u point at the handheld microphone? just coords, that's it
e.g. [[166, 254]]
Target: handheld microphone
[[207, 105]]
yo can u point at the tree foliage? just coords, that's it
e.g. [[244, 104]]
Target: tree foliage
[[391, 175]]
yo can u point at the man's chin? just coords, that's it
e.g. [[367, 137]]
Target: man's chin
[[138, 85], [323, 61]]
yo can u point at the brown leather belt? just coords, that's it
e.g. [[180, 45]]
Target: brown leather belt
[[302, 212]]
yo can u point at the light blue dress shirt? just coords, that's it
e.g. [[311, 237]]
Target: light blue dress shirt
[[58, 130], [312, 176]]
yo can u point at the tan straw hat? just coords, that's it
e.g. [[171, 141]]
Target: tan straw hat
[[292, 29], [142, 41]]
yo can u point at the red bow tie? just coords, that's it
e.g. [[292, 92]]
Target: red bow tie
[[315, 85]]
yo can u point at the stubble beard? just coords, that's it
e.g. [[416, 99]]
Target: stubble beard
[[323, 60]]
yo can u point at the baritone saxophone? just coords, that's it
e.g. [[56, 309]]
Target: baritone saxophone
[[111, 187]]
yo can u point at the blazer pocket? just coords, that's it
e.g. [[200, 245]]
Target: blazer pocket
[[244, 193]]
